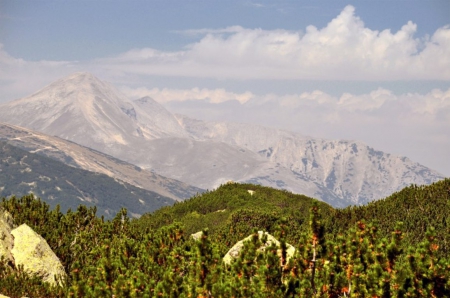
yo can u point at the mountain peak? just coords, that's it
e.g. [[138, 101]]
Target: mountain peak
[[151, 106], [78, 79], [77, 82], [80, 107], [82, 75], [157, 120], [145, 99]]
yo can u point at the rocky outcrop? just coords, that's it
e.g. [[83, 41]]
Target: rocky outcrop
[[22, 246], [35, 255], [6, 239], [234, 252]]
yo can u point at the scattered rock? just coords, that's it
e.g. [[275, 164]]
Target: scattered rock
[[234, 252], [6, 239], [35, 255], [197, 236]]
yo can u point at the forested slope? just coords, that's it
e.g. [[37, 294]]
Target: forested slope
[[353, 252], [417, 207], [232, 208]]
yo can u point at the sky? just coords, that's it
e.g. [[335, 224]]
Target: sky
[[370, 70]]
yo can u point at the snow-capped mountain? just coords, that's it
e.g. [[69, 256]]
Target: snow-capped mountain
[[85, 110]]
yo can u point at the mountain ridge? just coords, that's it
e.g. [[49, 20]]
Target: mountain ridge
[[82, 157], [207, 154], [327, 162], [23, 173]]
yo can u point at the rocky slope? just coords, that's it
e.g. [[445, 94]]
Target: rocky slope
[[85, 110], [91, 160], [351, 170], [22, 172]]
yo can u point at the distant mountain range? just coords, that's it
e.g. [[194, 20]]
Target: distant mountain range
[[87, 111]]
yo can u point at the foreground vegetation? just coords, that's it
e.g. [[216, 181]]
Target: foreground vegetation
[[396, 247]]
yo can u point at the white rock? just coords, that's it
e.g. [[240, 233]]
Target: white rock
[[6, 239], [197, 236], [35, 255], [234, 252]]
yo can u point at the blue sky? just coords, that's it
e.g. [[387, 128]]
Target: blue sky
[[371, 70], [38, 29]]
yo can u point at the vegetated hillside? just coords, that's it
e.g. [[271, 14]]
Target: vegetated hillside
[[22, 172], [232, 209], [337, 254], [417, 207]]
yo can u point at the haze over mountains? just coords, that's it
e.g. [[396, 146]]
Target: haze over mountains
[[85, 110]]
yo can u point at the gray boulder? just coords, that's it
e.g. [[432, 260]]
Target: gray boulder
[[35, 255], [234, 252]]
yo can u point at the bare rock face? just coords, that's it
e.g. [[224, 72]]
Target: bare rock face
[[6, 239], [234, 252], [35, 255]]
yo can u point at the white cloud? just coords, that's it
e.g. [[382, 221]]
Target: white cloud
[[415, 125], [343, 50], [193, 32], [256, 4], [410, 124], [378, 102], [380, 106], [196, 94], [19, 77]]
